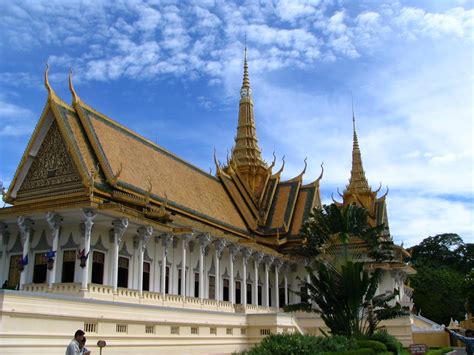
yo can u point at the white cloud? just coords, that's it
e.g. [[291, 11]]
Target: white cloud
[[15, 120]]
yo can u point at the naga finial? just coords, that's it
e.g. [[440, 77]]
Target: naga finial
[[117, 174], [322, 172], [75, 97], [305, 165], [51, 93], [282, 166]]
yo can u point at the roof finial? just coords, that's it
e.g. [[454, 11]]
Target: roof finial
[[75, 97], [246, 91], [51, 93]]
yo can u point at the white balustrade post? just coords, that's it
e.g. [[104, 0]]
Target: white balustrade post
[[204, 240], [4, 234], [219, 246], [144, 234], [26, 228], [117, 232], [185, 238], [246, 252], [233, 250], [54, 222], [257, 259], [268, 260], [277, 264], [89, 215], [166, 240]]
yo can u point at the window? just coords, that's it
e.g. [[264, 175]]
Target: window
[[98, 267], [149, 329], [281, 296], [264, 331], [213, 331], [122, 277], [226, 290], [228, 331], [146, 276], [69, 265], [238, 299], [179, 282], [13, 272], [90, 327], [196, 284], [269, 297], [243, 331], [212, 288], [174, 330], [259, 295], [121, 328], [40, 270], [194, 330], [304, 294], [249, 293], [167, 280]]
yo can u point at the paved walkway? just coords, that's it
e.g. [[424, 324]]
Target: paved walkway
[[458, 351]]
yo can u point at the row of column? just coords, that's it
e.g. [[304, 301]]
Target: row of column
[[144, 233]]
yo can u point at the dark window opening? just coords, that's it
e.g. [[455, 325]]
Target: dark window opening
[[146, 276], [281, 296], [69, 266], [13, 272], [304, 294], [196, 284], [249, 293], [225, 293], [212, 288], [238, 293], [40, 270], [269, 297], [167, 280], [259, 295], [122, 277], [98, 259]]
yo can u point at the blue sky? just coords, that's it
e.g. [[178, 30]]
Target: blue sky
[[172, 70]]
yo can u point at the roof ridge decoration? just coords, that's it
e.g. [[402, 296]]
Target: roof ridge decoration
[[75, 97]]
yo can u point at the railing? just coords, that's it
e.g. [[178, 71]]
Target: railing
[[104, 292]]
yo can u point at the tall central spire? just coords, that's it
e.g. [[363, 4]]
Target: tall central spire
[[358, 182], [246, 153]]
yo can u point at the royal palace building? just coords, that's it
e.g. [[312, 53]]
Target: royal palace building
[[108, 232]]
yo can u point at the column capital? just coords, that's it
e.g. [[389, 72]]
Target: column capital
[[204, 239], [186, 238], [258, 256], [246, 253], [25, 224], [54, 220], [268, 259], [118, 229], [144, 233], [233, 250], [166, 240], [89, 215], [277, 263], [220, 245]]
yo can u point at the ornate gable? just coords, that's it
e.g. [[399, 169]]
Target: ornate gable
[[52, 167]]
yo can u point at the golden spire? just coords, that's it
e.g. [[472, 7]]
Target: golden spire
[[246, 153], [358, 182]]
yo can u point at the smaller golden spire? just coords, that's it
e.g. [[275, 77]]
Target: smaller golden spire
[[75, 97], [358, 182]]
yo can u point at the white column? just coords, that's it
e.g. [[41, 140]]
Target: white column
[[54, 222], [204, 240], [233, 250], [25, 225], [89, 215], [185, 238], [117, 232], [144, 234], [308, 278], [246, 252], [268, 260], [277, 264], [166, 240], [3, 247], [257, 259], [286, 283], [156, 269], [219, 246]]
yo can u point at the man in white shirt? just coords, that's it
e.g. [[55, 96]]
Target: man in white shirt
[[73, 347]]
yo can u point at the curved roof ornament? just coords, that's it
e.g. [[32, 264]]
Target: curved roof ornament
[[273, 162], [339, 193], [51, 93], [305, 165], [376, 191], [282, 166], [333, 200], [385, 194], [218, 167], [75, 97], [322, 172]]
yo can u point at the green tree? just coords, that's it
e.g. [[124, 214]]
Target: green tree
[[340, 289]]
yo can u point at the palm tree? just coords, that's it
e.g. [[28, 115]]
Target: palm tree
[[339, 287]]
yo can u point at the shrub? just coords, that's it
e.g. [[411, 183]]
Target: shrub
[[372, 344], [298, 344], [390, 341], [363, 351], [439, 351]]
